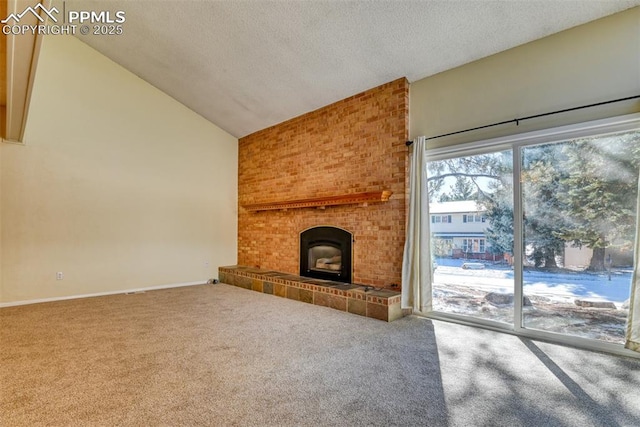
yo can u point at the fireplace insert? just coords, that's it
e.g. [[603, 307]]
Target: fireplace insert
[[325, 253]]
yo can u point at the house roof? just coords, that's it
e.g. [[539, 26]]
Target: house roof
[[248, 65], [463, 206]]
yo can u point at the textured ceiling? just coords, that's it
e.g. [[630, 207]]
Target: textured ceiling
[[247, 65]]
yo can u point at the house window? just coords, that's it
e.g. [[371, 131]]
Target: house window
[[473, 245], [435, 219], [473, 218], [558, 207]]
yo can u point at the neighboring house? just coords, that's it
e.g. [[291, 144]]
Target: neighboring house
[[458, 230]]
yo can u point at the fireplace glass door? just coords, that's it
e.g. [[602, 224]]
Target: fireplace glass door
[[325, 258]]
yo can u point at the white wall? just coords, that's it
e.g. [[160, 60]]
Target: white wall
[[118, 186], [591, 63]]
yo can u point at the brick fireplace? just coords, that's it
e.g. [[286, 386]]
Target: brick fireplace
[[327, 168]]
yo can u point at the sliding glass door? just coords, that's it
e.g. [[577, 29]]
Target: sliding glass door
[[471, 222], [579, 202], [537, 235]]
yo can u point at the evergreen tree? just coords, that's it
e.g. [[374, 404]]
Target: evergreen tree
[[543, 207], [600, 191], [498, 205]]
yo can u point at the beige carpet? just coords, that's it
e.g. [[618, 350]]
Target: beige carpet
[[219, 355]]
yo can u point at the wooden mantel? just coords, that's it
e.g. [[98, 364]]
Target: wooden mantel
[[321, 202]]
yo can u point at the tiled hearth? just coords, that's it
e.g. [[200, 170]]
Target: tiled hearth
[[356, 299]]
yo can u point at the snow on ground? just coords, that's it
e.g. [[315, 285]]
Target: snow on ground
[[564, 286], [552, 296]]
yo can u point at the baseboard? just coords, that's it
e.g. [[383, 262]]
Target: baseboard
[[101, 294]]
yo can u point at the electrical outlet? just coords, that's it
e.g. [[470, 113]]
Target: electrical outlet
[[59, 275]]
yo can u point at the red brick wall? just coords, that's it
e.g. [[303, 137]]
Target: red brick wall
[[355, 145]]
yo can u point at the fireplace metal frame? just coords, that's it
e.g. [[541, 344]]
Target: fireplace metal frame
[[328, 236]]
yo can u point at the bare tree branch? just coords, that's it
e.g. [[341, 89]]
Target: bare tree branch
[[467, 175]]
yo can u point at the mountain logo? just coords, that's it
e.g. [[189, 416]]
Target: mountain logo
[[33, 10]]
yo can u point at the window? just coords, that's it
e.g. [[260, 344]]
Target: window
[[473, 245], [559, 223], [455, 290], [440, 218], [473, 218], [579, 199]]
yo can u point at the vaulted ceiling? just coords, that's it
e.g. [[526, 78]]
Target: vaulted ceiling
[[247, 65]]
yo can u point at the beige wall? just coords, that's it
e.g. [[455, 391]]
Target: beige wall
[[591, 63], [118, 186]]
